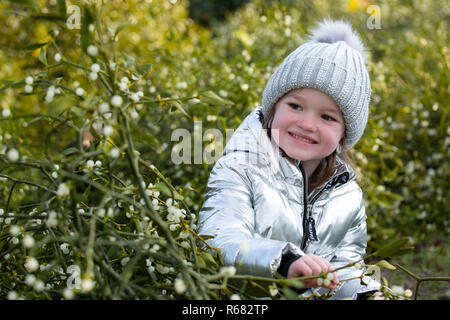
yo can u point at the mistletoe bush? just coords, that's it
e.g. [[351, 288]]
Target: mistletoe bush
[[92, 205], [89, 216]]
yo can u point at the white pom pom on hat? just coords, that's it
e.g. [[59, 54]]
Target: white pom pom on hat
[[330, 31], [332, 61]]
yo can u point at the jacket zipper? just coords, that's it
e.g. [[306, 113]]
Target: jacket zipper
[[305, 205]]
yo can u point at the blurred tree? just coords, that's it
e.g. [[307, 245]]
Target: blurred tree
[[211, 11]]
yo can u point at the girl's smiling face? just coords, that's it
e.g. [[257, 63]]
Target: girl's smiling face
[[307, 125]]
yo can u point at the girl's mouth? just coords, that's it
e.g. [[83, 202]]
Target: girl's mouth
[[302, 138]]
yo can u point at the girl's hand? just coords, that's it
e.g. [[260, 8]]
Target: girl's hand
[[312, 265]]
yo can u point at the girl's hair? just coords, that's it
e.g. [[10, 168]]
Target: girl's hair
[[326, 167]]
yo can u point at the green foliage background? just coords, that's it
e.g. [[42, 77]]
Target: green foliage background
[[215, 75]]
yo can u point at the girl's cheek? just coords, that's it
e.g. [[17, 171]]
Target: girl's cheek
[[275, 133]]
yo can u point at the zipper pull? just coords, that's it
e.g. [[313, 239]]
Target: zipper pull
[[311, 229]]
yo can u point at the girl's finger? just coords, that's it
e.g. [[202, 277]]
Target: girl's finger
[[324, 264], [315, 267], [327, 268], [331, 270], [305, 269]]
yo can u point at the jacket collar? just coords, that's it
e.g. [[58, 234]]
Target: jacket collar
[[341, 175]]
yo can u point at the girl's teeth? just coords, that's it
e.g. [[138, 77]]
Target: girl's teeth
[[303, 139]]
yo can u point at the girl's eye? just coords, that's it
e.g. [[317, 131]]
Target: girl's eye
[[328, 118], [295, 106]]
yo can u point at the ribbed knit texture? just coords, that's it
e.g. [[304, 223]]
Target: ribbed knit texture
[[333, 68]]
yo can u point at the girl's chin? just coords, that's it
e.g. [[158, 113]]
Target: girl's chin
[[294, 155], [301, 157]]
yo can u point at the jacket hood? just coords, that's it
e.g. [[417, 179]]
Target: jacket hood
[[250, 137]]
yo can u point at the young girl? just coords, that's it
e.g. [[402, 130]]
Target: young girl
[[282, 198]]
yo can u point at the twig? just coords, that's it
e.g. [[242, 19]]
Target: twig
[[420, 280]]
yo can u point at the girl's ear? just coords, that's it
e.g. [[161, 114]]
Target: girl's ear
[[340, 147]]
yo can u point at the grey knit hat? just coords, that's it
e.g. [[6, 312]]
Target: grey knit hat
[[332, 61]]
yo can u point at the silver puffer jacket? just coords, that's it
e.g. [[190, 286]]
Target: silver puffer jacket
[[257, 207]]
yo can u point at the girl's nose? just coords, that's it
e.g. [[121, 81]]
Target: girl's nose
[[307, 123]]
